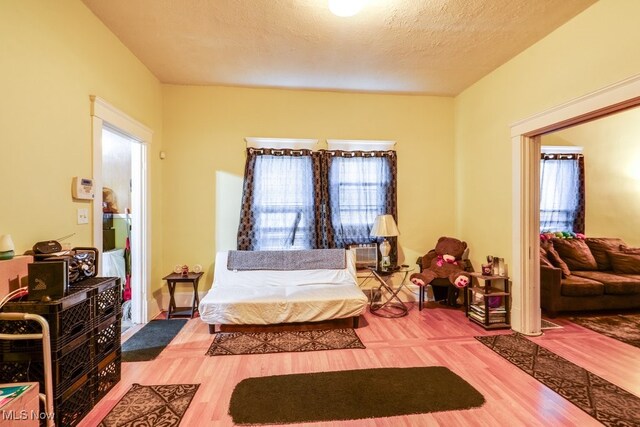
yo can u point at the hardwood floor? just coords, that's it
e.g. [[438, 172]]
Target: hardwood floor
[[435, 336]]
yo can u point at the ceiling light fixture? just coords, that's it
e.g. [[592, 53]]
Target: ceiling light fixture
[[345, 8]]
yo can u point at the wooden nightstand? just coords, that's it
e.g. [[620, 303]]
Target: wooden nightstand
[[174, 278]]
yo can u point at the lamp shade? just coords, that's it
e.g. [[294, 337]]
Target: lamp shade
[[384, 226], [6, 243]]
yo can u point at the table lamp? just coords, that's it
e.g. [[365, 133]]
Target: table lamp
[[385, 226], [6, 247]]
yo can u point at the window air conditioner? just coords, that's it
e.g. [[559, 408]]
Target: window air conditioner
[[366, 255]]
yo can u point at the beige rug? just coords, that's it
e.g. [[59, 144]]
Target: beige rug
[[151, 406], [226, 343]]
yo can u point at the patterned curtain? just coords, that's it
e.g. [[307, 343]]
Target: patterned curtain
[[279, 201], [562, 192], [300, 199], [360, 186]]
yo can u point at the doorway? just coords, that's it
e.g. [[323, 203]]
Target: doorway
[[526, 136], [120, 211], [120, 193]]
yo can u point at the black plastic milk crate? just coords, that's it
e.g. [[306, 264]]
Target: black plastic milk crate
[[107, 296], [69, 318], [107, 374], [68, 364], [106, 338], [75, 403]]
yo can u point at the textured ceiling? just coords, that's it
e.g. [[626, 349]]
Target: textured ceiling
[[407, 46]]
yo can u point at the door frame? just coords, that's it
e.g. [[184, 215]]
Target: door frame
[[104, 113], [525, 138]]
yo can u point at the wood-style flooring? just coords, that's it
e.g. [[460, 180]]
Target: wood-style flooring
[[435, 336]]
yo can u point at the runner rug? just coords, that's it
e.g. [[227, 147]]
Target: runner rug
[[226, 343], [350, 395], [604, 401], [622, 327], [151, 405]]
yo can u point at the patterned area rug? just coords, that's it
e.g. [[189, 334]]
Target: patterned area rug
[[622, 327], [152, 405], [280, 342], [605, 402]]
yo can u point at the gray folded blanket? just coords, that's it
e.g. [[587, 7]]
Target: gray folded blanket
[[314, 259]]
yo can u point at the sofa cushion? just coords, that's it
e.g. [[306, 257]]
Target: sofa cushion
[[614, 284], [555, 259], [576, 286], [629, 250], [575, 253], [544, 258], [625, 263], [600, 246]]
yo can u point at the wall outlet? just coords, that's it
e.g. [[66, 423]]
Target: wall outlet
[[83, 216]]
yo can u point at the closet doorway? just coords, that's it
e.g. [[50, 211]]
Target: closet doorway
[[120, 212]]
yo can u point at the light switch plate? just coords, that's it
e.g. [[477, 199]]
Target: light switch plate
[[83, 216]]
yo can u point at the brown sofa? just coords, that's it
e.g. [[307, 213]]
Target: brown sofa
[[592, 274]]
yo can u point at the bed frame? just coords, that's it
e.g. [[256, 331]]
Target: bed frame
[[347, 322]]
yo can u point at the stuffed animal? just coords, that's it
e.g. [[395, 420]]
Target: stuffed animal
[[445, 261]]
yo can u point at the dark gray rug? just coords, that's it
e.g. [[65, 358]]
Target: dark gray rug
[[604, 401], [350, 395], [226, 343], [151, 406], [622, 327], [148, 342]]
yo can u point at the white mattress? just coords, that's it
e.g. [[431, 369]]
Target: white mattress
[[267, 296]]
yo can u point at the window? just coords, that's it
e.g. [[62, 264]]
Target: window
[[358, 188], [304, 199], [562, 192], [283, 202]]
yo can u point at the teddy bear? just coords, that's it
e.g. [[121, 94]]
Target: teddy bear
[[444, 262]]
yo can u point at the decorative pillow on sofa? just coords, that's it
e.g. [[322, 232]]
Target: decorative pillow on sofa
[[555, 259], [625, 263], [629, 250], [544, 258], [600, 246], [575, 253]]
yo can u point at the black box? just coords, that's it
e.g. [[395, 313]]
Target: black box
[[48, 279]]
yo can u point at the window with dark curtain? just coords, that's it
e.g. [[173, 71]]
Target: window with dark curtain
[[358, 188], [562, 200], [279, 200], [299, 199]]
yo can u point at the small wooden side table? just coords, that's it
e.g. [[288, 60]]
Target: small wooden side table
[[175, 278]]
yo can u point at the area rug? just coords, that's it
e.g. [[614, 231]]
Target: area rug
[[546, 324], [151, 405], [226, 343], [604, 401], [148, 342], [350, 395], [622, 327]]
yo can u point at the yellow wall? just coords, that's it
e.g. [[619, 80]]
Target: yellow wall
[[204, 129], [612, 173], [595, 49], [53, 55]]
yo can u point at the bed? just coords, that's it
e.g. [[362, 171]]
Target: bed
[[296, 288]]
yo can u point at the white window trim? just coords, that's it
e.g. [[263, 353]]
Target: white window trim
[[561, 149], [281, 143], [360, 145]]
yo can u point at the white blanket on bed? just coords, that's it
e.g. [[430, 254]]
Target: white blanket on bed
[[269, 296]]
